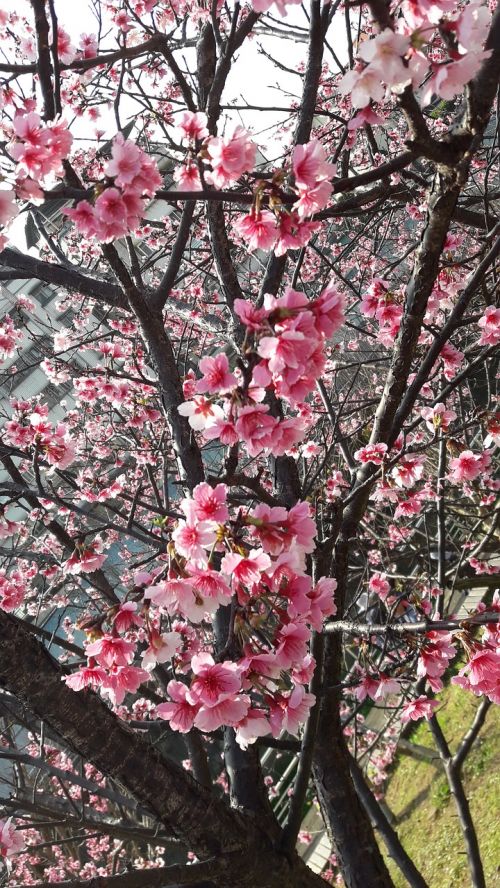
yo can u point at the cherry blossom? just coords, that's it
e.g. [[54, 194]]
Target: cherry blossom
[[490, 326], [181, 712], [372, 453], [230, 157], [8, 207], [192, 125], [421, 707], [216, 376], [193, 537], [466, 467], [258, 229], [11, 841]]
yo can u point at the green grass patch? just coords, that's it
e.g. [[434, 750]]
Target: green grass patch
[[419, 797]]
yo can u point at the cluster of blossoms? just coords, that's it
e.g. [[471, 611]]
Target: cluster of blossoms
[[10, 338], [15, 585], [386, 307], [32, 428], [256, 563], [434, 657], [490, 326], [39, 150], [469, 466], [11, 841], [287, 230], [481, 674], [231, 156], [119, 207], [285, 342], [86, 558], [393, 60]]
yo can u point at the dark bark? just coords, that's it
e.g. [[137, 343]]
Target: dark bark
[[15, 265], [388, 834], [44, 64], [163, 359], [348, 824], [454, 779]]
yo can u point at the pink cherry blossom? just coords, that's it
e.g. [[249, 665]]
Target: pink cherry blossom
[[328, 311], [125, 163], [192, 536], [490, 326], [465, 467], [281, 5], [216, 376], [290, 349], [293, 232], [85, 560], [292, 642], [449, 80], [258, 229], [218, 427], [414, 710], [435, 655], [372, 453], [230, 157], [192, 125], [363, 86], [11, 841], [65, 49], [209, 584], [200, 412], [310, 164], [254, 724], [126, 617], [472, 26], [111, 650], [452, 359], [161, 648], [386, 686], [187, 177], [210, 502], [257, 428], [290, 711], [122, 680], [246, 570], [88, 45], [181, 712], [409, 470], [385, 52], [379, 584], [213, 682], [438, 417], [417, 11], [86, 677], [10, 338], [229, 711], [250, 316], [322, 601]]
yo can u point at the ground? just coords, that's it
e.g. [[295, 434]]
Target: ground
[[418, 796]]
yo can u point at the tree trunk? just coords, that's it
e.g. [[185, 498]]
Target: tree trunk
[[348, 824]]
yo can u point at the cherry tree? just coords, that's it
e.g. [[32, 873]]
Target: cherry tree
[[244, 507]]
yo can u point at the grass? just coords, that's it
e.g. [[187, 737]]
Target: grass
[[419, 797]]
